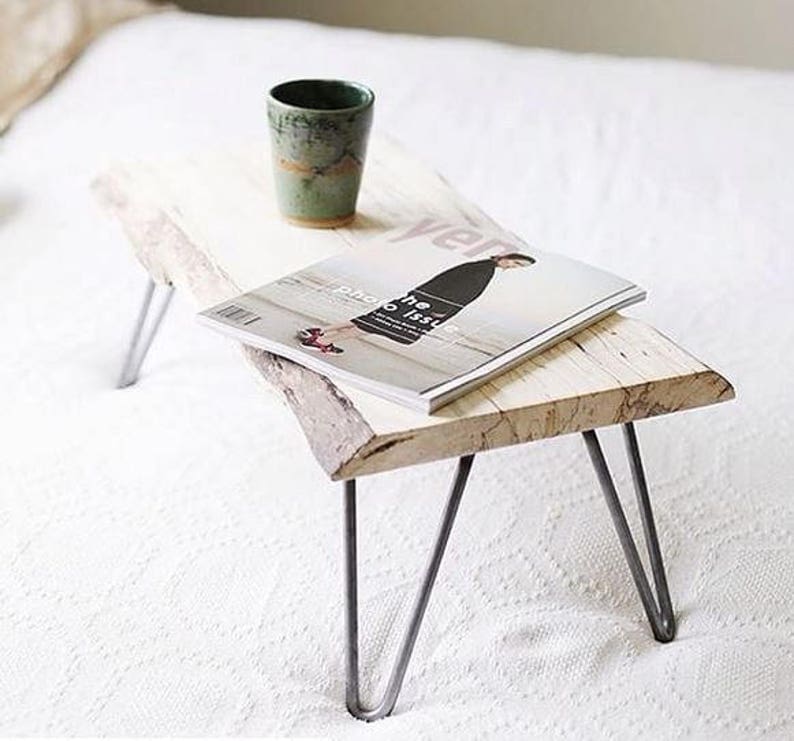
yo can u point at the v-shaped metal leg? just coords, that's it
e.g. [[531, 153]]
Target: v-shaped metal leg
[[140, 342], [660, 615], [387, 703]]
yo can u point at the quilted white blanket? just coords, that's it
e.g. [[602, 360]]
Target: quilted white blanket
[[171, 555]]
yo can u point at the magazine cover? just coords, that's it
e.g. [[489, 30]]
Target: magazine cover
[[423, 310]]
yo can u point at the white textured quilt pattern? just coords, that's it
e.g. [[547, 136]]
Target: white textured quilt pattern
[[171, 555]]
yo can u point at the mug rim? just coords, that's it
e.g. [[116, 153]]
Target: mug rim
[[370, 96]]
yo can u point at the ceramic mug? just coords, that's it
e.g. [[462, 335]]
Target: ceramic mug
[[318, 133]]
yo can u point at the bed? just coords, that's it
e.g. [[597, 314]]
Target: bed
[[171, 550]]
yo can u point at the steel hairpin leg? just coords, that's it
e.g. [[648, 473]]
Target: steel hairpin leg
[[138, 348], [660, 616], [386, 705]]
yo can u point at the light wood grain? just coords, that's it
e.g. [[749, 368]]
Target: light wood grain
[[209, 225]]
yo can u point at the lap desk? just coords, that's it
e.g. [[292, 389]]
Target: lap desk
[[208, 225]]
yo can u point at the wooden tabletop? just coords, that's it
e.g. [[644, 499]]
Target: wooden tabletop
[[208, 224]]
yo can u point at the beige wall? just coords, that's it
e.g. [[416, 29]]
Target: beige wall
[[747, 32]]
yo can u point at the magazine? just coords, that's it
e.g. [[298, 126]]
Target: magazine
[[424, 313]]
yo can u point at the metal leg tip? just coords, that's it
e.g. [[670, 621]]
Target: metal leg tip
[[124, 383]]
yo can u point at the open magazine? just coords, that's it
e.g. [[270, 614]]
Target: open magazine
[[424, 313]]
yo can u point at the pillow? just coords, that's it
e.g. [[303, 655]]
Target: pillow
[[40, 38]]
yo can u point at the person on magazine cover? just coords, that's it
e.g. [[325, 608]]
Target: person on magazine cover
[[420, 310]]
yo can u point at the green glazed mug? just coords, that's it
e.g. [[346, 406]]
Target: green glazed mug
[[318, 133]]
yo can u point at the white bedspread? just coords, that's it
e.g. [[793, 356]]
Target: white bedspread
[[171, 554]]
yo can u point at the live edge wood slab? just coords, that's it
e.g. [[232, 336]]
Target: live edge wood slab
[[208, 224]]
